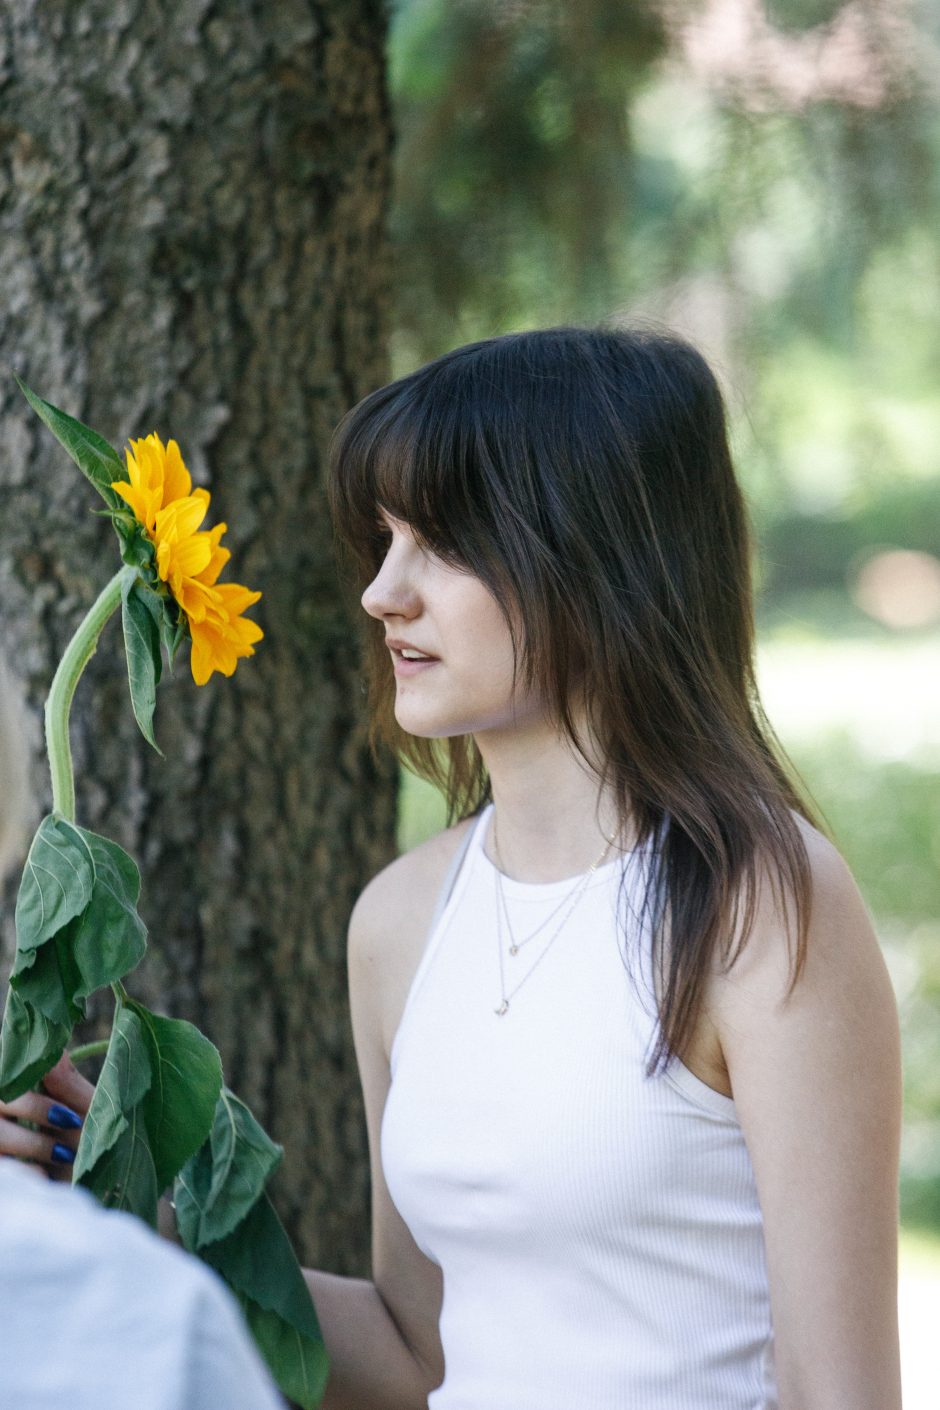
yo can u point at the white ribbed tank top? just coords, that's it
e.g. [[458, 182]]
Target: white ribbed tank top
[[598, 1231]]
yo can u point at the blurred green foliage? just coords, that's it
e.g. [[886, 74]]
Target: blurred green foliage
[[885, 819], [565, 162], [572, 163]]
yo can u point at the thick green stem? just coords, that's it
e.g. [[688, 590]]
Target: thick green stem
[[89, 1050], [77, 655]]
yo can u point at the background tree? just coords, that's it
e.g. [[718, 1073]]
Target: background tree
[[192, 239]]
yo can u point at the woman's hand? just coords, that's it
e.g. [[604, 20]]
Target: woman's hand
[[58, 1114]]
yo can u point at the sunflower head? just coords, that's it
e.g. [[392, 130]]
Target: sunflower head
[[156, 477], [186, 559]]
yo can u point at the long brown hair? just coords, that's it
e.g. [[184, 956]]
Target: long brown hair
[[584, 475]]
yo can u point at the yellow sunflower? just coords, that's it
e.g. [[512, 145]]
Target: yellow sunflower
[[189, 559], [157, 477]]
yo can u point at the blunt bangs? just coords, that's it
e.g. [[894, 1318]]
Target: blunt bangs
[[412, 449]]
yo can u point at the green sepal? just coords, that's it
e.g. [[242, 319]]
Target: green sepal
[[172, 631], [136, 548], [92, 454], [227, 1175], [259, 1265], [186, 1081], [114, 1160], [141, 625]]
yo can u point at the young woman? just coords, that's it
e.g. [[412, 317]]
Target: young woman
[[629, 1049]]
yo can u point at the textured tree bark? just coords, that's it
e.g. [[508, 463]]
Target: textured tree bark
[[193, 201]]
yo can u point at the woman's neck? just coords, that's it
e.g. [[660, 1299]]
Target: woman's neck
[[552, 817]]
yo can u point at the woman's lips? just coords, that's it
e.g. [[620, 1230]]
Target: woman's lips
[[404, 667]]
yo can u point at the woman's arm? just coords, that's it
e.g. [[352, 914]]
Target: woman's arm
[[371, 1367], [817, 1085], [382, 1335]]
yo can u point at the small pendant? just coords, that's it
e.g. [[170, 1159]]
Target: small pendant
[[514, 949], [502, 1008]]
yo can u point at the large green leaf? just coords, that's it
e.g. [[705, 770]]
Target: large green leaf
[[298, 1363], [124, 1177], [224, 1215], [142, 649], [41, 1007], [77, 929], [181, 1100], [110, 938], [30, 1044], [227, 1175], [99, 461], [122, 1085], [114, 1160], [258, 1263], [57, 884], [52, 980]]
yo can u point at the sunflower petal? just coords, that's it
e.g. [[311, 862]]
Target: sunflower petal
[[180, 519], [177, 481]]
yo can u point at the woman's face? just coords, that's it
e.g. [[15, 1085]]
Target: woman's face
[[450, 616]]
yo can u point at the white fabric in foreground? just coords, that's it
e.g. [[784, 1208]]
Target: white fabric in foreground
[[599, 1231], [97, 1313]]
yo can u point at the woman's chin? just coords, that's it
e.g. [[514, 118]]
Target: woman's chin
[[423, 730], [430, 724]]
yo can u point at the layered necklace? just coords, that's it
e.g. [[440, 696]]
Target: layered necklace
[[566, 905]]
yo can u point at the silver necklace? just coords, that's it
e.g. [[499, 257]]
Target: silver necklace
[[516, 945], [568, 902]]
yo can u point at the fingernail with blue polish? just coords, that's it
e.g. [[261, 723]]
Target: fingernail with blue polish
[[63, 1154], [64, 1117]]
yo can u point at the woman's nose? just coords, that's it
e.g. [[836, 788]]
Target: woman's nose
[[390, 593]]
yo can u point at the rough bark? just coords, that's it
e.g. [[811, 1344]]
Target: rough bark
[[192, 240]]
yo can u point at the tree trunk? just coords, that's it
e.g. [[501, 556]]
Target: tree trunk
[[193, 205]]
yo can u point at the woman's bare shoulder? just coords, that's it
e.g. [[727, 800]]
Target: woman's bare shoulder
[[390, 922], [407, 885], [840, 934]]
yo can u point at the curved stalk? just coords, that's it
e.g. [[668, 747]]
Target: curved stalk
[[58, 706], [89, 1050]]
